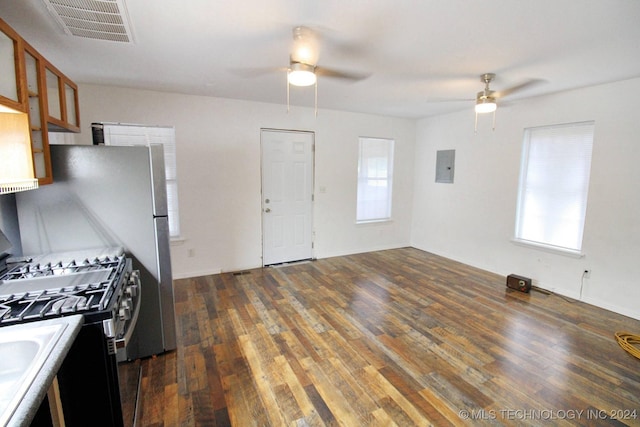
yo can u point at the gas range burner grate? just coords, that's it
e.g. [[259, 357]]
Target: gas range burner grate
[[55, 302], [33, 270], [42, 289]]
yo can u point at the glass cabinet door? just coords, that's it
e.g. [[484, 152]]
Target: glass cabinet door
[[10, 92], [70, 103], [62, 101], [8, 83], [39, 140], [53, 94]]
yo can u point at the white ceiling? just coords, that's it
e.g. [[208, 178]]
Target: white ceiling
[[420, 53]]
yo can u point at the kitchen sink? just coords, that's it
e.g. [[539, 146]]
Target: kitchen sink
[[23, 351]]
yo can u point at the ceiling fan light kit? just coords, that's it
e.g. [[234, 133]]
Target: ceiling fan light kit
[[303, 67], [485, 100], [485, 104], [300, 74]]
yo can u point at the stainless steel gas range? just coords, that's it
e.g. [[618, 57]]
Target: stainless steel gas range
[[99, 284]]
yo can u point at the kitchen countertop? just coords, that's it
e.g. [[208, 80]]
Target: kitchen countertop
[[22, 412]]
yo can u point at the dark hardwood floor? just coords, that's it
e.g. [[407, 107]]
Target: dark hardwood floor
[[398, 337]]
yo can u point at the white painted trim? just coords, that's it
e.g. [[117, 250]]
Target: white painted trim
[[548, 248]]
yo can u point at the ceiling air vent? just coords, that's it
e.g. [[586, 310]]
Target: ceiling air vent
[[93, 19]]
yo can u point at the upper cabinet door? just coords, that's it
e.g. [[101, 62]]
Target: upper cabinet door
[[71, 104], [11, 91], [37, 120], [62, 101], [54, 109]]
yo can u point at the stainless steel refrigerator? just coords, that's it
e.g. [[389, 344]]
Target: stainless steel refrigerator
[[105, 196]]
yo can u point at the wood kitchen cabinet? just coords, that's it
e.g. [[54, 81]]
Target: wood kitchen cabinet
[[62, 100], [12, 92], [37, 116], [31, 84]]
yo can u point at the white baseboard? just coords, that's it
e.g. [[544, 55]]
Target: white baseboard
[[190, 274]]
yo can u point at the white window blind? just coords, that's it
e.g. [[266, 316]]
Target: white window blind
[[554, 184], [375, 178], [166, 137]]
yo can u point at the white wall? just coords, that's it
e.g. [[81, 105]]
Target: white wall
[[218, 149], [473, 219]]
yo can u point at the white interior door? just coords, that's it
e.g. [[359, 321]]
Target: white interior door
[[287, 196]]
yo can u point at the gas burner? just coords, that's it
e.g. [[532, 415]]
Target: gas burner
[[38, 290], [55, 302], [35, 269], [69, 304]]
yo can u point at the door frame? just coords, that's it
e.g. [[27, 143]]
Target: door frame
[[312, 184]]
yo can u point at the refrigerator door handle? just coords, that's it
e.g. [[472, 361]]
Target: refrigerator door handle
[[165, 282]]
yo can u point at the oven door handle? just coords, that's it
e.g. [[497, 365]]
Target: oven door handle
[[122, 342]]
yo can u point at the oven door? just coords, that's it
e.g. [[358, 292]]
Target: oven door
[[88, 381]]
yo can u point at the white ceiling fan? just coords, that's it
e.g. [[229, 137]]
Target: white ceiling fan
[[303, 68], [486, 100], [303, 60]]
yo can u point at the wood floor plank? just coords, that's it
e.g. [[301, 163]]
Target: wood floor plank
[[398, 337], [333, 397], [266, 392], [384, 389]]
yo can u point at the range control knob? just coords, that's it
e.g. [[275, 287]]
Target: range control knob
[[131, 290], [125, 311], [133, 284], [134, 277]]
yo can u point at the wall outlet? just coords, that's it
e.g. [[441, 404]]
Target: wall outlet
[[587, 273]]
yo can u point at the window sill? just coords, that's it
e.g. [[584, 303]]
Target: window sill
[[548, 248], [176, 240], [374, 221]]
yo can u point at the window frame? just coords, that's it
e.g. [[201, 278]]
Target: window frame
[[162, 135], [581, 135], [366, 175]]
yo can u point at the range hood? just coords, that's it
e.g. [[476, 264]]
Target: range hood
[[16, 158]]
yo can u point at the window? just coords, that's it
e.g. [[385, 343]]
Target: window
[[122, 134], [166, 137], [375, 173], [554, 183]]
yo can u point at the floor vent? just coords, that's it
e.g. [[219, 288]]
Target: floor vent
[[93, 19], [241, 273]]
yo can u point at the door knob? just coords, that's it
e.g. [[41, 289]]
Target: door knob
[[267, 210]]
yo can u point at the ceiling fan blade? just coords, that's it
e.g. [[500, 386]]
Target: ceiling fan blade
[[347, 75], [516, 88], [450, 99], [249, 73]]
